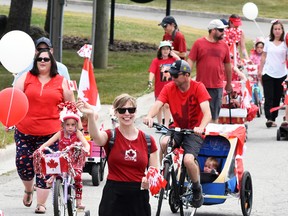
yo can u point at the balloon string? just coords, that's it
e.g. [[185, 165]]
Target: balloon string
[[259, 28], [10, 105]]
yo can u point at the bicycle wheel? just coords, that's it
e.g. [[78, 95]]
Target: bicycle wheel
[[71, 202], [58, 199], [174, 202], [185, 194], [163, 190]]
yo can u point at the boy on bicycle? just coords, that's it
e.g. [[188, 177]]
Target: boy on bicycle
[[189, 105]]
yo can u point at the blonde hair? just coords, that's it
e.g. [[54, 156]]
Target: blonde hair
[[122, 99], [213, 161]]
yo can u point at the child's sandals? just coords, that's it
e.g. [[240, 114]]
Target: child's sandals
[[80, 207], [40, 209]]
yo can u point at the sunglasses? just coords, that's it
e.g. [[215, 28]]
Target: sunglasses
[[220, 30], [39, 49], [40, 59], [175, 76], [131, 110]]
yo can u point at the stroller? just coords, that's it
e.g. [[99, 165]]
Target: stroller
[[225, 143], [95, 162], [245, 111]]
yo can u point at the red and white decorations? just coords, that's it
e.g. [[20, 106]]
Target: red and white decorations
[[156, 180]]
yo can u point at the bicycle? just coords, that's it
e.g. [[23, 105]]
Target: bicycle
[[64, 195], [180, 195]]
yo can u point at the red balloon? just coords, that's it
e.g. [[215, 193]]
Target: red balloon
[[13, 106]]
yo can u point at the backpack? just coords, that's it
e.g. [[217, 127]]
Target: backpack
[[113, 137]]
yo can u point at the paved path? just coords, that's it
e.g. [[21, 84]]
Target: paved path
[[265, 158]]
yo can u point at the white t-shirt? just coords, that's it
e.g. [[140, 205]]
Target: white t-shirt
[[275, 64]]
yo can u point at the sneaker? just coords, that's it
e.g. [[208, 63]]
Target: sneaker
[[269, 123], [197, 199]]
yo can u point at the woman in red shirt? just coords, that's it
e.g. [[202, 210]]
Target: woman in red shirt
[[45, 89]]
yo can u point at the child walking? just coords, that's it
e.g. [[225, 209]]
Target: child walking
[[68, 135], [158, 71]]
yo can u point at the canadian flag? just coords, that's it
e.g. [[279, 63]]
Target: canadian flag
[[72, 85], [54, 164], [87, 85]]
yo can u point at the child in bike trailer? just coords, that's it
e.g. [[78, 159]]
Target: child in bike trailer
[[69, 134], [211, 165]]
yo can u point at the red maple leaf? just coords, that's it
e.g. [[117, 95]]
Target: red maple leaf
[[250, 69], [52, 164], [131, 153]]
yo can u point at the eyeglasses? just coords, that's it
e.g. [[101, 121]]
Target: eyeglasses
[[131, 110], [175, 76], [39, 49], [40, 59], [220, 30]]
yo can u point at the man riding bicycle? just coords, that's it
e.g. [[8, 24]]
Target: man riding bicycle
[[189, 106]]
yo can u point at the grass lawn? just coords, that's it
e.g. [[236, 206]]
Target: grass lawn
[[127, 71]]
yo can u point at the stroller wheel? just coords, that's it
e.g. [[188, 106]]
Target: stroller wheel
[[246, 194], [278, 135]]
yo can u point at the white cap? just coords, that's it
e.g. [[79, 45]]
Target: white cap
[[216, 24], [164, 43]]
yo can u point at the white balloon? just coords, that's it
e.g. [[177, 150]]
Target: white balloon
[[17, 51], [250, 11]]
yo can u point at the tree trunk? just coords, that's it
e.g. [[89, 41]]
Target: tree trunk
[[48, 15], [20, 15]]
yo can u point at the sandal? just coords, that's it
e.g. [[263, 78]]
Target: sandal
[[80, 207], [40, 209], [29, 198]]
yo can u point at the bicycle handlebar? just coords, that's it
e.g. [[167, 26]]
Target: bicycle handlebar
[[76, 145], [160, 127]]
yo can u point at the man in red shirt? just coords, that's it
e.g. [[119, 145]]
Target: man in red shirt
[[189, 105], [212, 59], [173, 35]]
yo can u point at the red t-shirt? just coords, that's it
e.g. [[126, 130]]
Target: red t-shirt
[[43, 115], [210, 59], [128, 160], [179, 42], [160, 77], [185, 106]]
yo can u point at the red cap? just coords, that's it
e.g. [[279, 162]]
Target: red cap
[[236, 21]]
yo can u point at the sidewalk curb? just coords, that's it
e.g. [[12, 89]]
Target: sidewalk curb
[[177, 12], [7, 156]]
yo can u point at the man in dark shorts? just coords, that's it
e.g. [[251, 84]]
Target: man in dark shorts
[[189, 105]]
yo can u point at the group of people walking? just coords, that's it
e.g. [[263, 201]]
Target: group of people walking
[[186, 103]]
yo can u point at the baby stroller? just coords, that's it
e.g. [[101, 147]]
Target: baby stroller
[[225, 143], [95, 162], [246, 111]]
